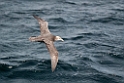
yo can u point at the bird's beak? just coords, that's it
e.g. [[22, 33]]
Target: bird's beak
[[62, 39]]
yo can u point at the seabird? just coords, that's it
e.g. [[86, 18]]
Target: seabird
[[48, 39]]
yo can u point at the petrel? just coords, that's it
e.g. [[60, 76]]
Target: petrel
[[48, 39]]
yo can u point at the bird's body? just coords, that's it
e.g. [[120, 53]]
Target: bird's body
[[48, 39], [40, 38]]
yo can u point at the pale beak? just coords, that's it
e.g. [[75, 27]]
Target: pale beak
[[62, 39]]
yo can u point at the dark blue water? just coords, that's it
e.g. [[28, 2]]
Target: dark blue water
[[93, 51]]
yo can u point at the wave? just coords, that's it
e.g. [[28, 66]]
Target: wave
[[110, 19], [59, 19], [5, 48], [118, 10], [94, 34], [70, 2]]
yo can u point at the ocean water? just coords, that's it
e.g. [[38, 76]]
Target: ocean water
[[93, 50]]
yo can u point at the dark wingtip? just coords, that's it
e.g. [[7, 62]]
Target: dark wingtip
[[35, 16], [52, 70]]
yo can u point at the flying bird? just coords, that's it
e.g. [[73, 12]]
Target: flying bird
[[48, 39]]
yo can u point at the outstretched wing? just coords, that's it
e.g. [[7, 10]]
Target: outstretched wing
[[43, 25], [53, 53]]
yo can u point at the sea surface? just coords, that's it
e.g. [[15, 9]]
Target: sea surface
[[93, 50]]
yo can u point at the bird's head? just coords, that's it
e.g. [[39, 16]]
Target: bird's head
[[58, 38]]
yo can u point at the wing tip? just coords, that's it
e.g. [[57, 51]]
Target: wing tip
[[54, 67], [54, 62], [53, 70], [38, 18], [35, 16]]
